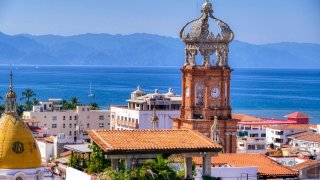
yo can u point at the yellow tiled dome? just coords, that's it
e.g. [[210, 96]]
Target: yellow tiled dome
[[18, 148]]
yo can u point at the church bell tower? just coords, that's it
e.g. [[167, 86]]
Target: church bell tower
[[206, 84]]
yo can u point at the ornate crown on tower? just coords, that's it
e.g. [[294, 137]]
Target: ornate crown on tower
[[201, 39]]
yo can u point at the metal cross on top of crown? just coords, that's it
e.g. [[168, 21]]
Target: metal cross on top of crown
[[199, 38]]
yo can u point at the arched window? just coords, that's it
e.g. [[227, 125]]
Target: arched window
[[199, 94]]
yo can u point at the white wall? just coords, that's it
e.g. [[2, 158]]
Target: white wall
[[46, 150], [230, 173], [72, 174], [142, 117]]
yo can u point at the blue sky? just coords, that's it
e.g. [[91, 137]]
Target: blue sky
[[253, 21]]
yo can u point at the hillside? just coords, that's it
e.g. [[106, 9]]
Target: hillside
[[144, 50]]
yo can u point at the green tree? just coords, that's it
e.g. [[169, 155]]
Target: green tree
[[97, 162], [27, 94], [74, 101], [35, 101], [94, 106]]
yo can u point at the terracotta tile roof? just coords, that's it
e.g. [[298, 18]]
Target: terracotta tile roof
[[266, 166], [304, 127], [65, 154], [49, 139], [305, 164], [311, 137], [300, 134], [31, 120], [152, 140], [297, 115], [244, 117]]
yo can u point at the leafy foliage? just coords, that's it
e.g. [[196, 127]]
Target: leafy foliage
[[150, 170], [27, 94], [97, 162], [94, 106]]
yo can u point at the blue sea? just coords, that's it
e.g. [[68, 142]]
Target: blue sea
[[270, 93]]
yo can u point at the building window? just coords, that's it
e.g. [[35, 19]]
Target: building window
[[260, 146], [82, 109], [279, 132], [101, 125], [54, 118], [251, 147], [75, 117], [70, 133], [70, 125], [54, 125], [70, 117], [75, 125], [64, 117], [88, 117], [88, 109], [88, 125], [75, 133], [64, 125], [263, 135], [101, 117], [254, 135]]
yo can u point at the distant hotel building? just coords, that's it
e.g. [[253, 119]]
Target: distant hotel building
[[73, 123], [137, 114]]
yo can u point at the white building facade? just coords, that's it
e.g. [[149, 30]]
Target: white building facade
[[137, 114], [72, 123], [278, 135]]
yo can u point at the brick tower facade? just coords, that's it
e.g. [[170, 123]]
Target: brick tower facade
[[206, 87]]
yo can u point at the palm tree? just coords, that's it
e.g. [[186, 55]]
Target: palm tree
[[35, 101], [28, 93], [94, 106], [75, 101]]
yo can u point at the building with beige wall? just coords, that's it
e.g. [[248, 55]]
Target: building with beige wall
[[72, 123]]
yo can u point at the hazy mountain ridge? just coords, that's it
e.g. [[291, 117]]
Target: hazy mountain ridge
[[144, 50]]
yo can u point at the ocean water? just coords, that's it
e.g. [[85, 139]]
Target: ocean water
[[258, 92]]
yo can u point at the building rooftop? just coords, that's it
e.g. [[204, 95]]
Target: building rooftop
[[31, 120], [81, 148], [305, 164], [130, 141], [304, 127], [244, 117], [266, 166], [315, 137], [264, 121], [297, 115], [300, 134]]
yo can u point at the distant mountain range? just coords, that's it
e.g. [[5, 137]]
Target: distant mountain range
[[144, 50]]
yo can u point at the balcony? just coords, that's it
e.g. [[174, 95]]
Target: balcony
[[128, 123]]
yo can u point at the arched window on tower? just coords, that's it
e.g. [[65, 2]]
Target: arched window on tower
[[199, 94]]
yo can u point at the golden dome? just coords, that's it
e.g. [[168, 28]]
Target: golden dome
[[11, 95], [18, 148]]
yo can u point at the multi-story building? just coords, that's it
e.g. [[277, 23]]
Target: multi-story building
[[251, 135], [137, 114], [307, 142], [73, 123], [277, 136]]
